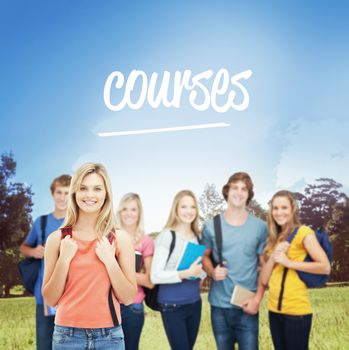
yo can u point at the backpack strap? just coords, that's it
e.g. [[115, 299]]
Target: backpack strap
[[112, 307], [292, 235], [282, 287], [66, 231], [218, 236], [111, 238], [43, 222], [173, 243]]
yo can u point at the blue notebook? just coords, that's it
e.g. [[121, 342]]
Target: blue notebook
[[190, 253]]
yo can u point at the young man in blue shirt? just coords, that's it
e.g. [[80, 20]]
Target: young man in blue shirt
[[243, 240], [34, 247]]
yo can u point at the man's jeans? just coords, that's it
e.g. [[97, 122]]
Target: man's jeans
[[232, 326], [44, 329]]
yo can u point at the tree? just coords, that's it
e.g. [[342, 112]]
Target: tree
[[9, 275], [15, 208], [211, 203], [323, 204], [318, 201], [338, 226], [256, 209]]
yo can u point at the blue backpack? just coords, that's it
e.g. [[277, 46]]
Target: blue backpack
[[29, 268], [310, 279]]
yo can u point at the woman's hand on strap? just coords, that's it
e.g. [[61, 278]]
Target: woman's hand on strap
[[281, 258], [282, 247], [68, 248], [105, 251]]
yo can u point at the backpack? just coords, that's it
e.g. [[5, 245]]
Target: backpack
[[29, 267], [311, 280], [68, 231], [151, 295]]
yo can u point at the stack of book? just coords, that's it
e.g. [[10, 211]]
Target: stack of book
[[240, 295]]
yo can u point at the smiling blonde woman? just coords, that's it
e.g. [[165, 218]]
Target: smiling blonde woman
[[179, 291], [290, 313], [129, 217], [89, 267]]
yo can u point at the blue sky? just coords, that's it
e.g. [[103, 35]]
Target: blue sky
[[57, 55]]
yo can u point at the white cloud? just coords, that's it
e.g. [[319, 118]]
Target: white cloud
[[158, 167], [314, 149]]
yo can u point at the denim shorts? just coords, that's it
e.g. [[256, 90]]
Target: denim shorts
[[88, 338]]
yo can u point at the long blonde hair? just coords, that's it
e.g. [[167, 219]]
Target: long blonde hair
[[173, 219], [128, 197], [275, 232], [106, 221]]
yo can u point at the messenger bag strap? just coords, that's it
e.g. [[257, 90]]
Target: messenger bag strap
[[218, 235]]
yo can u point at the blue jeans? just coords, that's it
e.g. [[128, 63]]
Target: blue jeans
[[232, 326], [181, 324], [290, 332], [132, 323], [44, 329], [71, 338]]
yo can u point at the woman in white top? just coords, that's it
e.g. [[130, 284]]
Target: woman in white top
[[179, 291]]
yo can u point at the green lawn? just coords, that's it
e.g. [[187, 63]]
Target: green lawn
[[330, 324]]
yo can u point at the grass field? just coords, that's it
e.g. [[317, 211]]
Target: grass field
[[330, 329]]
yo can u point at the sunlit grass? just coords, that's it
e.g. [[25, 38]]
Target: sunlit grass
[[330, 329]]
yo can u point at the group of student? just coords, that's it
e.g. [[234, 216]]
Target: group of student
[[89, 268]]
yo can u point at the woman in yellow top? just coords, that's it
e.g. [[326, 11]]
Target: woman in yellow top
[[290, 315]]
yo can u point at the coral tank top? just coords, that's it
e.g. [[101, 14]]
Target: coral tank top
[[84, 303]]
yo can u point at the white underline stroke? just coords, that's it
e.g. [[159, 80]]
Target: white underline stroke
[[176, 128]]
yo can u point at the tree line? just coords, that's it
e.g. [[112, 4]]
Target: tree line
[[322, 204]]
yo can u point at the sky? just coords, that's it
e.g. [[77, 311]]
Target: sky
[[56, 57]]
